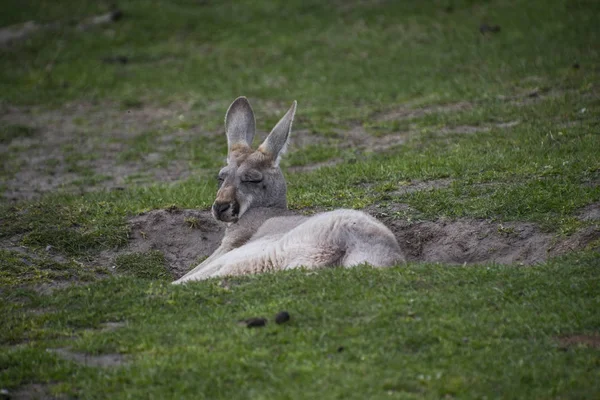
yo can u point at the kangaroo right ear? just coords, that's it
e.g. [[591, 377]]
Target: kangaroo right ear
[[240, 125], [275, 144]]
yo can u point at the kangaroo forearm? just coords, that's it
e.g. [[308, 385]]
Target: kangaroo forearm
[[223, 249]]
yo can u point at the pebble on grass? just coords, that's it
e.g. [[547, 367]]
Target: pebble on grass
[[282, 317], [254, 322]]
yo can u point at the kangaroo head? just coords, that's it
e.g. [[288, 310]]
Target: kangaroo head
[[251, 178]]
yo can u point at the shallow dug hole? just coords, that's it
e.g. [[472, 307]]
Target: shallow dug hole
[[480, 241], [185, 237]]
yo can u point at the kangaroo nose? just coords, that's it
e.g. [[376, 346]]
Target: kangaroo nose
[[220, 207]]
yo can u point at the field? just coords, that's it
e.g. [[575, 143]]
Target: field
[[470, 128]]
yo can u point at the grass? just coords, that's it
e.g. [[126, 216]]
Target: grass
[[509, 120], [149, 265], [22, 269], [10, 132], [422, 331]]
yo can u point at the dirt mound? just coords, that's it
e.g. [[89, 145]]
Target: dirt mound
[[472, 241], [187, 236], [591, 212]]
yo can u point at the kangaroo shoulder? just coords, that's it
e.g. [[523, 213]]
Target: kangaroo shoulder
[[278, 226]]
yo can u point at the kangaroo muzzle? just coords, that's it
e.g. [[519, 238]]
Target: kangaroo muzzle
[[226, 211]]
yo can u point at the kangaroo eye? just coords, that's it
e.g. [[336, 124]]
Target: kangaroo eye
[[248, 180]]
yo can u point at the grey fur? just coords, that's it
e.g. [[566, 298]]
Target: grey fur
[[262, 234], [240, 124], [276, 143]]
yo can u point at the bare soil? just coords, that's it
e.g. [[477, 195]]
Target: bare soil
[[185, 237], [82, 139], [480, 241], [416, 186], [88, 360], [409, 111], [580, 340], [464, 241], [590, 213]]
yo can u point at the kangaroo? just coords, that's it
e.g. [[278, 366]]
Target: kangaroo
[[262, 235]]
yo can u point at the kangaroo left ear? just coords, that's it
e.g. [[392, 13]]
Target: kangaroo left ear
[[275, 144], [239, 124]]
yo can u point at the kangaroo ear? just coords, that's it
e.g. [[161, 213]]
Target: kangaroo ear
[[275, 144], [240, 125]]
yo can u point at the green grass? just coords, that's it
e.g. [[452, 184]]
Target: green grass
[[22, 269], [10, 132], [422, 331], [149, 265], [329, 57], [419, 331]]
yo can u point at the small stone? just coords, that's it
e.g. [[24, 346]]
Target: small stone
[[116, 15], [254, 322], [282, 317], [48, 248], [485, 28]]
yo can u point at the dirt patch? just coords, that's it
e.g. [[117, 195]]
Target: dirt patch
[[112, 326], [408, 111], [462, 130], [82, 147], [468, 241], [358, 137], [314, 166], [472, 241], [579, 340], [416, 186], [463, 241], [590, 213], [88, 360], [384, 143], [587, 238], [298, 139], [185, 237], [508, 124]]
